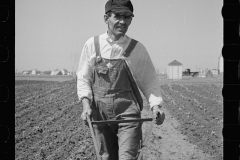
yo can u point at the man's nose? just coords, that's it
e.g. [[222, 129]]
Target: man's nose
[[122, 20]]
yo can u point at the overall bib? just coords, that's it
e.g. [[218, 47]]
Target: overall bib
[[116, 96]]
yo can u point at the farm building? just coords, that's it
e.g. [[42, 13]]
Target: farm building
[[53, 72], [64, 72], [174, 70], [34, 72], [26, 72], [56, 72], [215, 71], [220, 64], [73, 73], [205, 73]]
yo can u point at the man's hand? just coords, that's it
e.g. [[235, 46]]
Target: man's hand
[[86, 109], [158, 115]]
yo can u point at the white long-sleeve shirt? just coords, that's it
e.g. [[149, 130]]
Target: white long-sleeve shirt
[[139, 63]]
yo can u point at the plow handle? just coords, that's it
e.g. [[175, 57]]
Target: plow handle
[[145, 142], [93, 137]]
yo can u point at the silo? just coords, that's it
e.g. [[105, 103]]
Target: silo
[[174, 70], [220, 64]]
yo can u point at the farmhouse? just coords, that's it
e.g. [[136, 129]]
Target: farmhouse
[[34, 71], [174, 70]]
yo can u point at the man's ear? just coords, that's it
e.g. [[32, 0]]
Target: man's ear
[[105, 17]]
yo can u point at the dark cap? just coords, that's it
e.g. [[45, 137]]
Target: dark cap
[[119, 6]]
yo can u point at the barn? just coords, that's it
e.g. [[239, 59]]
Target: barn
[[174, 70], [64, 72], [26, 72], [52, 73], [206, 73], [56, 72], [215, 72], [209, 74]]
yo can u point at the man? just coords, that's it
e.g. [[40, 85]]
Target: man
[[111, 69]]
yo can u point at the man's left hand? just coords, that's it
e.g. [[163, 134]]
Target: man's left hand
[[158, 115]]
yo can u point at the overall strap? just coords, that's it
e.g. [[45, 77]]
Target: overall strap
[[96, 45], [134, 87], [130, 47]]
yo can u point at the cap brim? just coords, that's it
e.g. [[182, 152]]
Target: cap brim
[[124, 12]]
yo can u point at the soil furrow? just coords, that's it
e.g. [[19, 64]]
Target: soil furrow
[[48, 123]]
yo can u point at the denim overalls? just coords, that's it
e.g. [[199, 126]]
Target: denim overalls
[[115, 97]]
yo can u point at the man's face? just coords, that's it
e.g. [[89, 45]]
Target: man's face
[[118, 23]]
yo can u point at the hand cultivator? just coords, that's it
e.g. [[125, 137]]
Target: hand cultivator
[[143, 145]]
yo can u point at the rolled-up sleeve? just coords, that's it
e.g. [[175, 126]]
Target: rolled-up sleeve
[[145, 76], [84, 73]]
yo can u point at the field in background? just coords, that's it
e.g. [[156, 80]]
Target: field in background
[[162, 77], [189, 79], [48, 124], [43, 77]]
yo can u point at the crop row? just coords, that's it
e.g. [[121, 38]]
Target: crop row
[[48, 124], [200, 118]]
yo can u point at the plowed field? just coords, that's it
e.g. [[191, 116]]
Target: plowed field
[[48, 124]]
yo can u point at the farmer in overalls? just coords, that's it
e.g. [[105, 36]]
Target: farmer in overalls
[[111, 69]]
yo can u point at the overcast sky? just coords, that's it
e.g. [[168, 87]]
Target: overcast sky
[[50, 34]]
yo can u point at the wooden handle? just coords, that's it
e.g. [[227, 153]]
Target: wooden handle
[[146, 139], [93, 137], [122, 121], [119, 121]]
